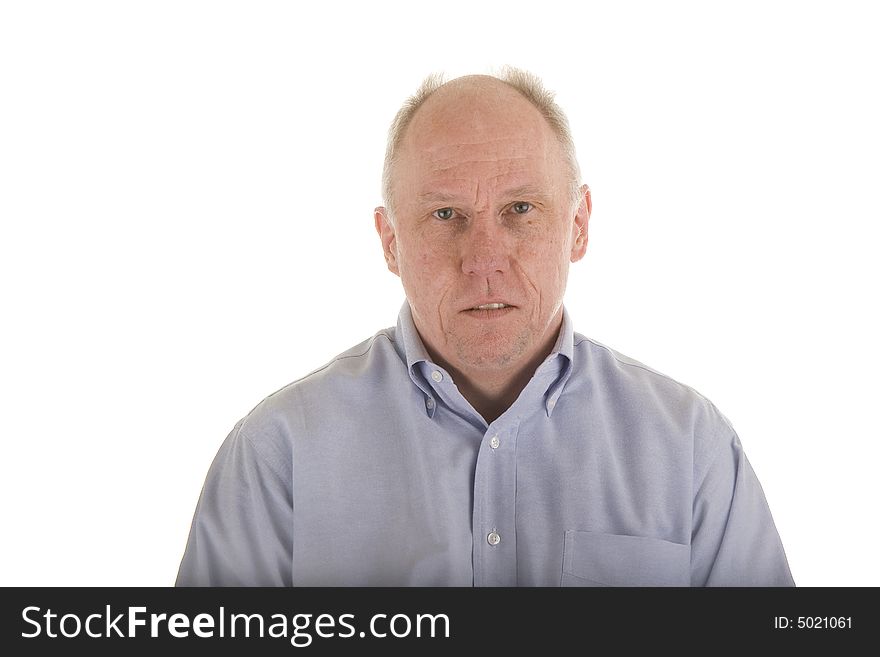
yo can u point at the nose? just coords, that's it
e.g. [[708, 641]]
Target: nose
[[485, 248]]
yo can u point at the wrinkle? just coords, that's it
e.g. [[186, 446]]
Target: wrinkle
[[440, 306], [492, 160]]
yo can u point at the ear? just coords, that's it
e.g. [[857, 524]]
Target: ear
[[581, 224], [388, 238]]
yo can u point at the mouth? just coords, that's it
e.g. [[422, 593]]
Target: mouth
[[491, 306], [489, 310]]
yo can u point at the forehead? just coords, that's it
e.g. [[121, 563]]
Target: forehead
[[477, 134]]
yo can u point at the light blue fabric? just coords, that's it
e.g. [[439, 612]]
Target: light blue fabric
[[375, 471]]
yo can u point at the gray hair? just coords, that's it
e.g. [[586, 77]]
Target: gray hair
[[527, 84]]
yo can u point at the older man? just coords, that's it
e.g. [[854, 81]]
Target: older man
[[482, 441]]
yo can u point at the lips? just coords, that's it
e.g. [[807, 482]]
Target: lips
[[485, 304], [490, 306], [489, 310]]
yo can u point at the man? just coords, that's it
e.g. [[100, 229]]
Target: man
[[482, 441]]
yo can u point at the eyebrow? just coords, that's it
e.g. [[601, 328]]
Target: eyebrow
[[527, 191], [522, 192]]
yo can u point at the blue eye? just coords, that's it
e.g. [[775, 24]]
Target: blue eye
[[444, 213], [521, 207]]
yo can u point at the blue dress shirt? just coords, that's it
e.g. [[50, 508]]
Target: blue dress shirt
[[375, 471]]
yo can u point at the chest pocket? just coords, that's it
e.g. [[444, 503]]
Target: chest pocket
[[595, 559]]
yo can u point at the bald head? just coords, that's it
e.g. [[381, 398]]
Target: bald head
[[465, 107], [471, 108], [478, 92]]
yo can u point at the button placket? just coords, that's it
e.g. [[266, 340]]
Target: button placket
[[495, 515]]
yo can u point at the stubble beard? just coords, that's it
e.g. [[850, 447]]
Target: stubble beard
[[492, 352]]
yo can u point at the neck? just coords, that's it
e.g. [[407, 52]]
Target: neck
[[491, 396], [491, 392]]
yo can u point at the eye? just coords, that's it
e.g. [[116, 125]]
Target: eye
[[444, 214], [521, 207]]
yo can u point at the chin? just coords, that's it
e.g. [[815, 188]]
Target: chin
[[490, 354]]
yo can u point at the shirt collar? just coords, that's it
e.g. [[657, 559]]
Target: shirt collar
[[557, 367], [562, 356], [413, 347], [414, 352]]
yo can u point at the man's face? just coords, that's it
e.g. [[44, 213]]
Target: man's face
[[483, 216]]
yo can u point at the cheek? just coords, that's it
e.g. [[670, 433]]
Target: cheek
[[546, 260], [425, 269], [427, 258], [542, 249]]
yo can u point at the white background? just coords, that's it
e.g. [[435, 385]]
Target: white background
[[186, 195]]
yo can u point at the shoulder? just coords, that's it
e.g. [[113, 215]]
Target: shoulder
[[351, 363], [631, 388], [612, 367], [326, 390]]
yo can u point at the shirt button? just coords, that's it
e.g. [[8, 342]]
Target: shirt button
[[437, 376], [429, 403], [551, 403], [494, 442], [493, 538]]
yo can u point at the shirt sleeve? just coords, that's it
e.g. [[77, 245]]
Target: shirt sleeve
[[242, 530], [734, 540]]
